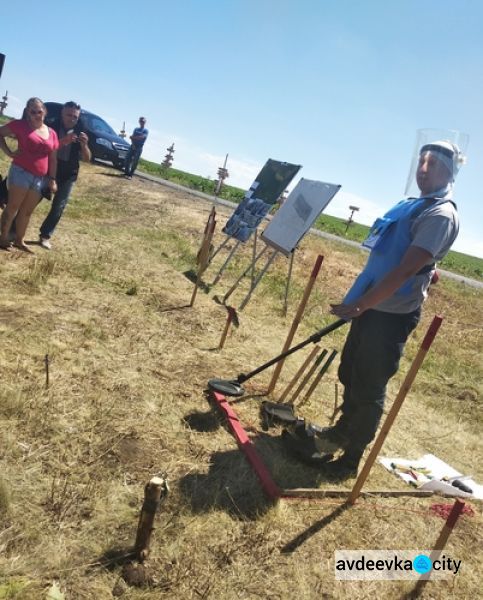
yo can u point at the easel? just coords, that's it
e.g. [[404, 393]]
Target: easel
[[251, 268]]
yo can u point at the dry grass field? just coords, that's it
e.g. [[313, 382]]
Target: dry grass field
[[128, 366]]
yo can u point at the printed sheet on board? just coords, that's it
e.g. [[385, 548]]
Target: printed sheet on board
[[298, 213]]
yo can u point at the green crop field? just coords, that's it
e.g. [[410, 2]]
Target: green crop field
[[456, 262]]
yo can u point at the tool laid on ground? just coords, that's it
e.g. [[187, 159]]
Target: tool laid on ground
[[233, 387], [411, 469], [457, 482]]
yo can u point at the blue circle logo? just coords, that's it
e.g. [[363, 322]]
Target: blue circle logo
[[422, 563]]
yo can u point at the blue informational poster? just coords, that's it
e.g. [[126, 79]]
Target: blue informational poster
[[259, 199]]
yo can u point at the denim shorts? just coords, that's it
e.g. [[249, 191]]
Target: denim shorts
[[24, 179]]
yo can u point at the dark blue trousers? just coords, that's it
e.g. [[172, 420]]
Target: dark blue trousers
[[370, 357], [132, 159], [59, 202]]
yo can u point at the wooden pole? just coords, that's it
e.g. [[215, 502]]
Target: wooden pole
[[296, 321], [257, 280], [386, 427], [254, 255], [308, 376], [46, 361], [152, 495], [245, 272], [204, 252], [336, 404], [229, 320], [318, 494], [448, 527], [226, 263], [220, 247], [318, 377], [287, 286], [299, 373]]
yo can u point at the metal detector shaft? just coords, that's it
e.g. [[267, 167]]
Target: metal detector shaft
[[313, 339]]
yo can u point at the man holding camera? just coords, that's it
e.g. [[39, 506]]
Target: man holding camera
[[72, 148]]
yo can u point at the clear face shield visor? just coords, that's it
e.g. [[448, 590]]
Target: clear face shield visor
[[448, 153]]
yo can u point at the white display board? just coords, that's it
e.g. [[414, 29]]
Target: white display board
[[298, 213]]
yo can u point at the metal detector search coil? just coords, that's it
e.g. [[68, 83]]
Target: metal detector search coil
[[233, 387]]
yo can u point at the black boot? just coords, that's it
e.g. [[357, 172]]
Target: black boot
[[330, 439], [343, 467]]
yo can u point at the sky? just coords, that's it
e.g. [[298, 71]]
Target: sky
[[338, 86]]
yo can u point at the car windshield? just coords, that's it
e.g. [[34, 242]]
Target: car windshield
[[97, 124]]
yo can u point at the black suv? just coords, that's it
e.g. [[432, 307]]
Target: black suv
[[104, 142]]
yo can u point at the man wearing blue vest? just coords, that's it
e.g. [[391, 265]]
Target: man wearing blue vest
[[384, 303], [139, 136]]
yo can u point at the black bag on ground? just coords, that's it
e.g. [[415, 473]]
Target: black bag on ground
[[277, 413], [300, 442]]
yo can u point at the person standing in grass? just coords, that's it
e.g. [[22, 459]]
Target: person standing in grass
[[139, 136], [72, 148], [384, 303], [34, 166]]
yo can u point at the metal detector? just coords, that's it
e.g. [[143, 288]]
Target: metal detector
[[233, 387]]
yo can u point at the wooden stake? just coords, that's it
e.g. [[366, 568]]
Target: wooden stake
[[308, 376], [152, 495], [336, 402], [296, 321], [287, 286], [316, 494], [318, 377], [46, 361], [448, 527], [386, 427], [203, 256], [229, 320], [298, 374]]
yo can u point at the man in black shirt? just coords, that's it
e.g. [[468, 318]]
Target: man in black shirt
[[72, 148]]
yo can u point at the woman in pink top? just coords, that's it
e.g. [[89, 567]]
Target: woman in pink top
[[34, 166]]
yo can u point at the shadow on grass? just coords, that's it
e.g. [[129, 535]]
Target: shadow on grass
[[313, 529], [192, 275], [203, 422], [229, 485], [117, 175], [232, 485], [170, 308], [113, 558]]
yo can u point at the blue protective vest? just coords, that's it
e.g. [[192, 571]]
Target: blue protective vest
[[389, 238]]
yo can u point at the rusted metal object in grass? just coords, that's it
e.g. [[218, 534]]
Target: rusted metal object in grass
[[155, 490]]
